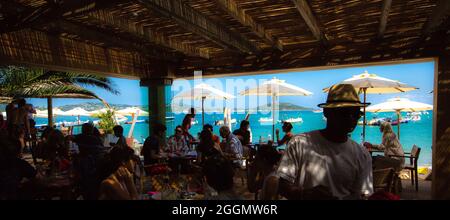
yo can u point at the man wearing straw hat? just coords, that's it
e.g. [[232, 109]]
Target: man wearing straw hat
[[327, 164]]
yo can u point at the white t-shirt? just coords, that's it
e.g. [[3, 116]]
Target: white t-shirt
[[311, 160], [110, 138]]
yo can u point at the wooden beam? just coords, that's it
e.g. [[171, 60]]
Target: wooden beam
[[232, 8], [139, 31], [440, 12], [197, 23], [311, 21], [111, 40], [17, 16], [384, 17], [74, 8], [41, 49]]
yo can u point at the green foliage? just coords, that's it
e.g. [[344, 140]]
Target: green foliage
[[106, 122], [37, 83]]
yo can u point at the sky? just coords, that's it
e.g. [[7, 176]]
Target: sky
[[130, 93], [420, 75]]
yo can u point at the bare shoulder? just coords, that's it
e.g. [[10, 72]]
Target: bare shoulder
[[108, 183]]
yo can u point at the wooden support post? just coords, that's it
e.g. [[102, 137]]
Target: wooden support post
[[157, 94], [440, 186], [50, 111], [156, 105]]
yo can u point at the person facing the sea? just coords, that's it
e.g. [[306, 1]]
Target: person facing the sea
[[187, 124], [327, 164], [210, 128], [152, 144], [391, 147], [287, 127], [243, 133], [218, 173], [117, 139], [207, 146]]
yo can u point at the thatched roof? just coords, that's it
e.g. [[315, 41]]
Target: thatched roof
[[144, 38]]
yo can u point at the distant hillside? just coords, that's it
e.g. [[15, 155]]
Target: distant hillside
[[284, 106], [91, 106]]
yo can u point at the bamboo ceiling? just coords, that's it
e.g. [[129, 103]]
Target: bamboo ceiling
[[142, 37]]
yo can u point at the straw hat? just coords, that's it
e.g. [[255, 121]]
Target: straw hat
[[342, 95]]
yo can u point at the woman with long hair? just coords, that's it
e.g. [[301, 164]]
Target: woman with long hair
[[393, 151], [119, 184], [207, 147]]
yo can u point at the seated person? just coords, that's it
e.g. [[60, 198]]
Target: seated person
[[117, 139], [232, 148], [3, 125], [13, 171], [207, 147], [177, 142], [210, 128], [91, 152], [54, 145], [88, 142], [152, 145], [326, 163], [270, 158], [243, 132], [287, 127], [218, 173], [119, 184], [391, 147]]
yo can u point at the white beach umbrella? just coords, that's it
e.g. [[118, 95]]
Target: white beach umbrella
[[201, 92], [131, 111], [275, 88], [44, 113], [399, 105], [75, 112], [41, 114], [372, 84]]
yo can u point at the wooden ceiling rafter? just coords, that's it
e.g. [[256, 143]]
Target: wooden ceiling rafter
[[197, 23], [111, 40], [440, 12], [305, 11], [232, 8], [139, 31], [385, 8]]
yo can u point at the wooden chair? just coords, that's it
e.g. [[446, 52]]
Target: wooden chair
[[412, 166], [383, 179]]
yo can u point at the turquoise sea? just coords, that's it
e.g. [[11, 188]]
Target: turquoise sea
[[418, 132]]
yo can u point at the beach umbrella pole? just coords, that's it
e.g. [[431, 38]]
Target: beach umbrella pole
[[203, 111], [364, 116], [398, 124], [273, 115]]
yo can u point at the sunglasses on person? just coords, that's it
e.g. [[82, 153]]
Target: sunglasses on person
[[349, 112]]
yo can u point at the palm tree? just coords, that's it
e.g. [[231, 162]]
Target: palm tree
[[36, 83], [21, 82]]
